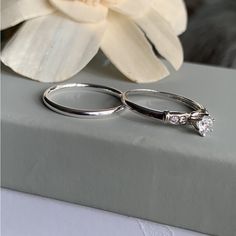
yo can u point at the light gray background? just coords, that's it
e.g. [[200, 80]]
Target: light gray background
[[127, 164]]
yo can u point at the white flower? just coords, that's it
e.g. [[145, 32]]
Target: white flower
[[60, 37]]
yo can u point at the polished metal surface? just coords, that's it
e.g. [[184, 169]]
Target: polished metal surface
[[69, 111], [198, 117], [194, 118]]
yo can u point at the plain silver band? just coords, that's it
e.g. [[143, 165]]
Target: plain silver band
[[198, 110], [83, 112]]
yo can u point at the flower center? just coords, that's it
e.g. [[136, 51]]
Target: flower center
[[104, 2], [91, 2], [109, 2]]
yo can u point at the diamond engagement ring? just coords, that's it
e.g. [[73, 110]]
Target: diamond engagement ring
[[75, 112], [199, 117]]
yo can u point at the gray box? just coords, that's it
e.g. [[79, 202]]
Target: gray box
[[127, 164]]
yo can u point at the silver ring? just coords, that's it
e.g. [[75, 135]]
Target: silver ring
[[199, 117], [69, 111]]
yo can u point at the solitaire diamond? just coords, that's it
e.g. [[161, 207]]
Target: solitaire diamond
[[205, 125]]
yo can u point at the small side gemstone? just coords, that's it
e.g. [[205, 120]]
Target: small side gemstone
[[183, 120], [205, 125], [174, 120]]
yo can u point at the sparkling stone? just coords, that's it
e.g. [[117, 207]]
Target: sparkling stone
[[183, 120], [174, 120], [205, 125]]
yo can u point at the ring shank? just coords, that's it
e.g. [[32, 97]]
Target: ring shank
[[69, 111], [157, 114]]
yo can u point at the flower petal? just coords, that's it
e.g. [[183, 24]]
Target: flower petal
[[131, 7], [161, 34], [80, 11], [128, 49], [174, 11], [16, 11], [52, 48]]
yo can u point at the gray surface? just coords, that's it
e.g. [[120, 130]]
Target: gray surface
[[49, 217], [127, 164]]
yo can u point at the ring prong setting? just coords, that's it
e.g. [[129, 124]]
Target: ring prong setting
[[204, 125]]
